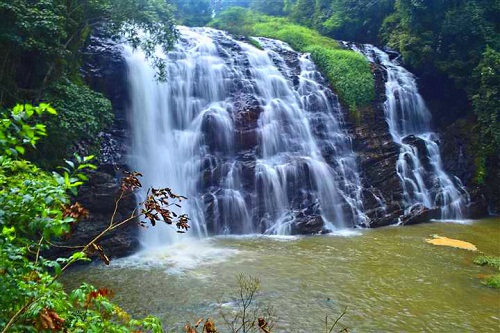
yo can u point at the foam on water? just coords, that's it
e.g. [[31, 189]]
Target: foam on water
[[260, 236], [346, 233], [178, 258], [463, 221]]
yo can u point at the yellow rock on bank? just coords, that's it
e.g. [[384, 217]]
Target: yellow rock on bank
[[445, 241]]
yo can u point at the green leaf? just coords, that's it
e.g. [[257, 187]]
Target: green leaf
[[20, 149], [51, 110], [78, 256], [82, 176], [17, 109]]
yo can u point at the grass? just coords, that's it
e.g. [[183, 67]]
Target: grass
[[492, 280], [348, 72], [488, 261]]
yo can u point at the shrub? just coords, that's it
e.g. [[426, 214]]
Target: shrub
[[35, 210], [82, 114]]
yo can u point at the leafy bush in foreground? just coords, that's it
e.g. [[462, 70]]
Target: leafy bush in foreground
[[35, 209]]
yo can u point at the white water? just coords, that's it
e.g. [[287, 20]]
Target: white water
[[408, 117], [183, 137]]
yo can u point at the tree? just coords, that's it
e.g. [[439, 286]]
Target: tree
[[192, 12], [486, 103], [358, 20], [273, 8], [303, 12], [40, 40]]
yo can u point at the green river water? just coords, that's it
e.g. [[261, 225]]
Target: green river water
[[390, 279]]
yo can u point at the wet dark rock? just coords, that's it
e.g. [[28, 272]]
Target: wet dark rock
[[479, 205], [459, 152], [105, 70], [393, 54], [308, 225], [377, 156], [420, 214]]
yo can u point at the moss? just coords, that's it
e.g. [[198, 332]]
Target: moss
[[255, 43], [297, 36]]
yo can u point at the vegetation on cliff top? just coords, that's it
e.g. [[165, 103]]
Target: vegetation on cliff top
[[348, 72]]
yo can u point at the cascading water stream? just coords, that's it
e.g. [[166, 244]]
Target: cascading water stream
[[419, 164], [253, 142]]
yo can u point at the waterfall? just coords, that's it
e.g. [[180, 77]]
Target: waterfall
[[419, 165], [254, 138]]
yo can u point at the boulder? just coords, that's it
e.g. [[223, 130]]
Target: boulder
[[420, 214], [308, 225]]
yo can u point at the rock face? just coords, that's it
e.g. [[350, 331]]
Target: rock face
[[105, 71], [459, 152], [378, 154]]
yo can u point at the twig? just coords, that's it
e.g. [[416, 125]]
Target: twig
[[38, 250], [336, 321]]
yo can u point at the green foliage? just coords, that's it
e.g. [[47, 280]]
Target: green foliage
[[16, 131], [297, 36], [488, 261], [486, 101], [357, 20], [242, 21], [192, 13], [303, 12], [33, 205], [349, 74], [82, 115], [255, 43], [219, 6], [273, 8], [493, 281], [236, 20], [40, 59], [40, 41]]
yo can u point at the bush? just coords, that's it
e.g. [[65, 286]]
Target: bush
[[35, 210], [82, 114]]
